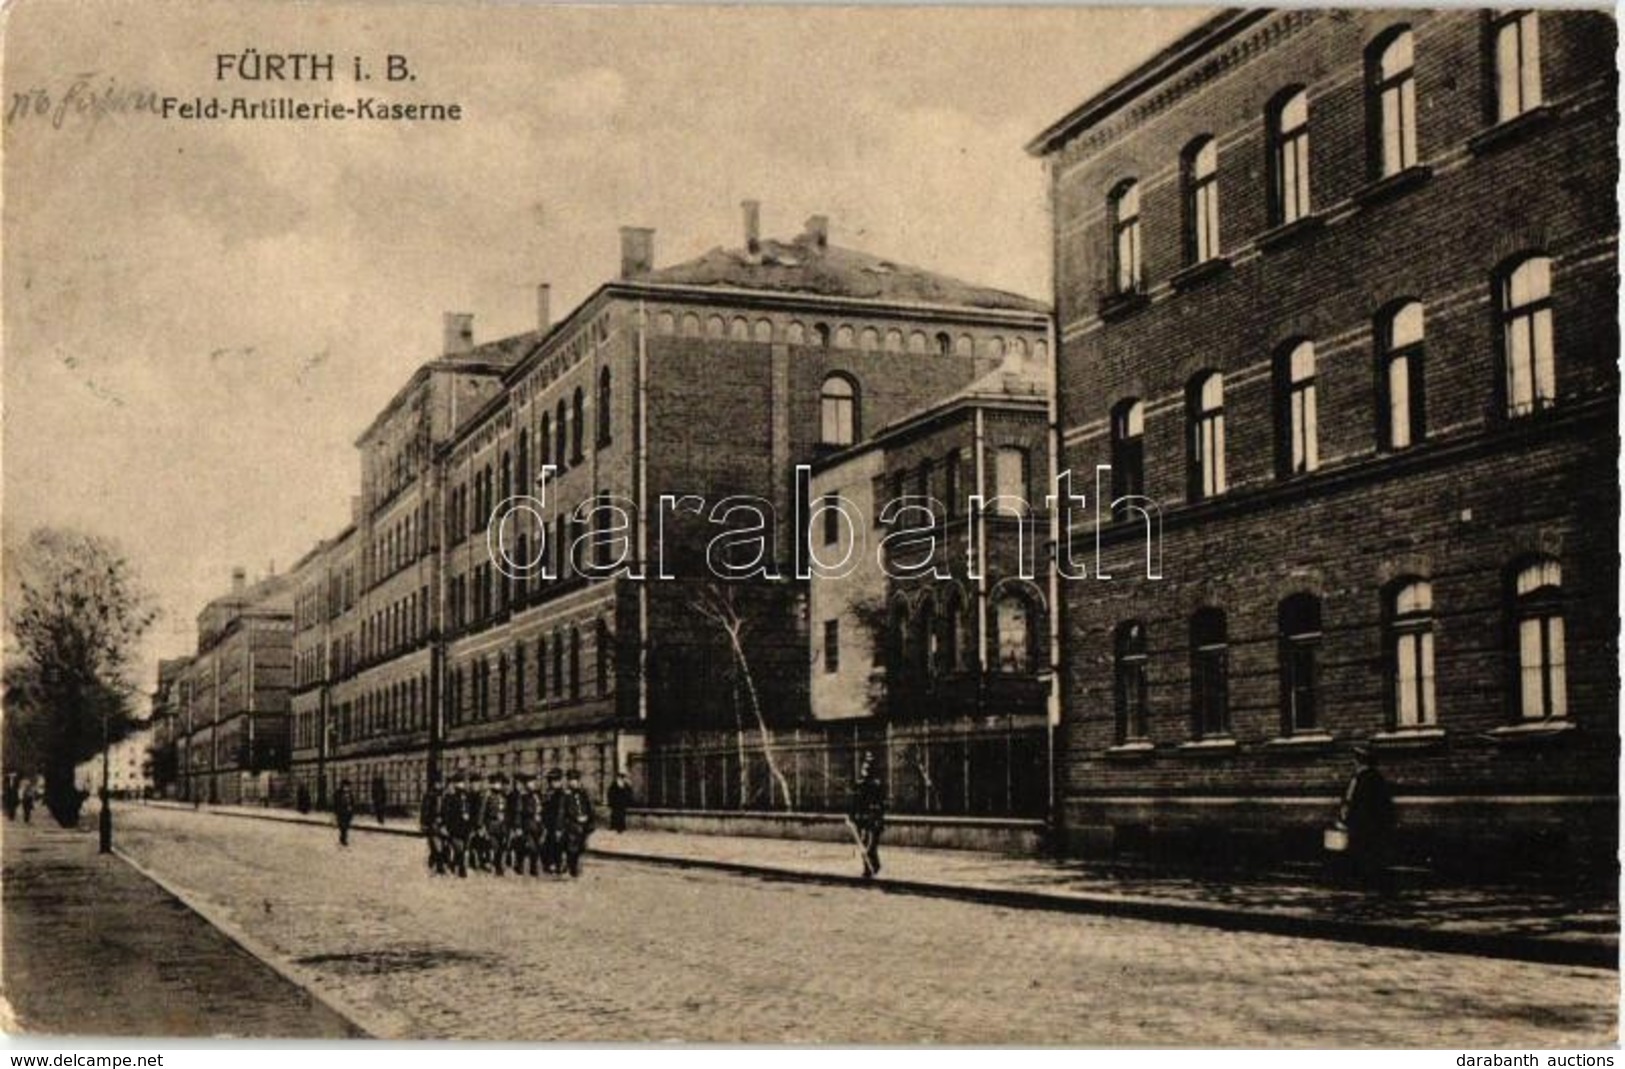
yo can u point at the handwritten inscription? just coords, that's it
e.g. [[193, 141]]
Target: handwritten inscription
[[89, 95]]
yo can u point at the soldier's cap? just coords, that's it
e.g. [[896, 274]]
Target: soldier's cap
[[572, 774], [525, 777], [554, 775], [497, 777]]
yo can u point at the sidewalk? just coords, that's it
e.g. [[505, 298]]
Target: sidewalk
[[1572, 927], [94, 948]]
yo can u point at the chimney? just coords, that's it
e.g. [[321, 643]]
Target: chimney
[[544, 307], [818, 231], [459, 333], [637, 251], [753, 225], [239, 580]]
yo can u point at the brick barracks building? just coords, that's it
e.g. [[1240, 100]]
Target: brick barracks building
[[1336, 291], [716, 378]]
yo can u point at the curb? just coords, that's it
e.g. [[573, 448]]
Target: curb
[[1426, 939], [303, 979]]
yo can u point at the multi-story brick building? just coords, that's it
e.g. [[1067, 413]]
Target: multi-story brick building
[[229, 702], [668, 397], [1336, 291], [929, 598]]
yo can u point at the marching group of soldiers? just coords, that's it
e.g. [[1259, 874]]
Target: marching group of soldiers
[[513, 824]]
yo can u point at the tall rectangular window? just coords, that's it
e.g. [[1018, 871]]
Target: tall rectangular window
[[832, 646], [1205, 404], [1130, 691], [1410, 644], [1128, 451], [1299, 621], [1289, 156], [1210, 674], [1202, 200], [1526, 333], [1392, 72], [1403, 418], [1125, 216], [1517, 63], [1300, 448]]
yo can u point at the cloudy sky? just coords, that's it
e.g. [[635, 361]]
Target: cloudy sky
[[199, 318]]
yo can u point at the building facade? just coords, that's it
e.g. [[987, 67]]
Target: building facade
[[640, 457], [1336, 294]]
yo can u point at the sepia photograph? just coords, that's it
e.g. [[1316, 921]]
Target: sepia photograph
[[954, 526]]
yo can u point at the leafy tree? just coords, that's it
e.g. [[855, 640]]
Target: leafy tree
[[74, 615]]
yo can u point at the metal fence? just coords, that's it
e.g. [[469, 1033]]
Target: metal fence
[[959, 768]]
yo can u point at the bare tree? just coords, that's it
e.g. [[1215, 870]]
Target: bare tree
[[718, 602]]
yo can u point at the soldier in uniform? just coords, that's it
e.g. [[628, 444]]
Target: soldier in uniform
[[575, 822], [532, 832], [344, 811], [455, 825], [429, 822], [552, 803], [514, 843], [494, 817], [869, 814]]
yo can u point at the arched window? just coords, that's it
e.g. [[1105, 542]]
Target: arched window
[[1297, 436], [1391, 75], [795, 333], [869, 340], [1298, 619], [1124, 209], [1542, 660], [964, 345], [1201, 166], [950, 491], [578, 424], [1525, 301], [604, 394], [839, 411], [522, 469], [1128, 450], [945, 344], [894, 341], [690, 325], [917, 343], [561, 431], [1402, 412], [544, 439], [1013, 621], [541, 669], [601, 655], [1409, 612], [843, 337], [716, 327], [739, 329], [950, 651], [821, 335], [1210, 674], [1129, 691], [518, 678], [1517, 63], [762, 331], [1289, 157], [665, 323], [502, 685], [1205, 414]]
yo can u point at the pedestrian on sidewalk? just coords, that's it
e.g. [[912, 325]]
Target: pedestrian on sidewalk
[[868, 814], [1367, 814], [380, 797], [620, 800], [28, 802], [344, 811], [552, 817], [303, 799], [13, 797]]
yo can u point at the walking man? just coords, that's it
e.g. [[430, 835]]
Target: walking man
[[532, 831], [344, 811], [620, 800], [868, 814], [380, 797], [455, 824], [28, 802], [429, 822], [552, 814], [494, 817], [575, 821], [12, 797]]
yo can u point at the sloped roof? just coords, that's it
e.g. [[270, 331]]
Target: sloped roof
[[803, 266], [1014, 378]]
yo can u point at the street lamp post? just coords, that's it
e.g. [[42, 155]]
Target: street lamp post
[[106, 824]]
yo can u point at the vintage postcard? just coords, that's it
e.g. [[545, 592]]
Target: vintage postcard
[[941, 526]]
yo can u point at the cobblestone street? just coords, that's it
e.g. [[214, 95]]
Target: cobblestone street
[[639, 952]]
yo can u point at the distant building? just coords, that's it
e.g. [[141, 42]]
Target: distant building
[[701, 382], [1337, 292], [224, 711], [129, 768]]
